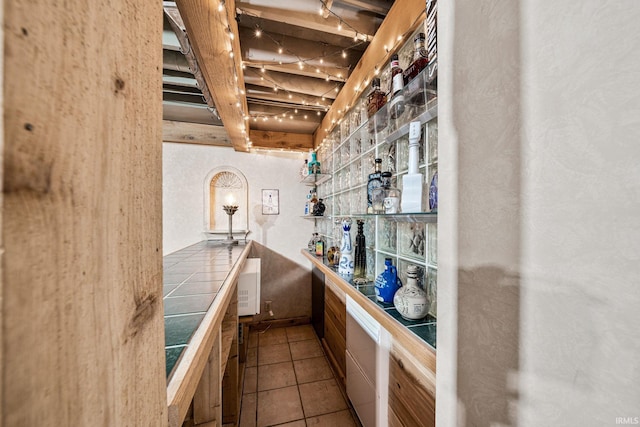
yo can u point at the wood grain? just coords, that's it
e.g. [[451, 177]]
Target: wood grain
[[82, 318], [335, 331], [207, 400], [194, 133], [207, 29], [411, 391], [403, 18], [284, 140]]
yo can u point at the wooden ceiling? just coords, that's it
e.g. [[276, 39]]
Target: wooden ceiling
[[267, 73]]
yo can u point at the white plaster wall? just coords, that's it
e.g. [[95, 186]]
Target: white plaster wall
[[185, 167], [539, 238]]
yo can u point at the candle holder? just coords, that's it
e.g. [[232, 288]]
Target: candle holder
[[230, 210]]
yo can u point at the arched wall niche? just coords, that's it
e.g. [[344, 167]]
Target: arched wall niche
[[225, 185]]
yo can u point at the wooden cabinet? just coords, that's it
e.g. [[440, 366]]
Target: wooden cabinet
[[335, 321], [412, 399]]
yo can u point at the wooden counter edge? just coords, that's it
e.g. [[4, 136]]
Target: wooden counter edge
[[419, 349], [184, 381]]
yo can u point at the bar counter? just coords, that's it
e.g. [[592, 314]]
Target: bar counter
[[418, 335], [199, 285]]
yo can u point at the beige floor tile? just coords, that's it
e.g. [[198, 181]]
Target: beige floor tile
[[321, 397], [250, 380], [273, 354], [300, 333], [252, 357], [279, 406], [272, 336], [342, 419], [305, 349], [314, 369], [253, 340], [276, 375], [248, 410]]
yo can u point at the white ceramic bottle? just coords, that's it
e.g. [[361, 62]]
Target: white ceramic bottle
[[411, 301]]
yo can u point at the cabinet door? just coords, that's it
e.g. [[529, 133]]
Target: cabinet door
[[335, 315], [412, 399]]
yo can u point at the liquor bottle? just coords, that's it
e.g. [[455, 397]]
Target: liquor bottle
[[304, 171], [311, 246], [314, 164], [307, 205], [374, 181], [386, 198], [320, 246], [415, 87], [375, 101], [396, 104], [360, 252], [392, 195]]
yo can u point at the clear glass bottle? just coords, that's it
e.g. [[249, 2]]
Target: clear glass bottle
[[392, 195], [415, 87], [378, 194], [396, 103], [304, 171], [374, 181], [375, 101]]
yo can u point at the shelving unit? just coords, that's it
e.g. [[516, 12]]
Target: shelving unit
[[349, 152]]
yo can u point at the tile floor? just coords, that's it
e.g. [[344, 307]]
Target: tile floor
[[288, 382]]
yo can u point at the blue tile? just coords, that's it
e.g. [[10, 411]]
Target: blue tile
[[178, 329], [172, 355], [426, 332], [187, 304], [167, 288], [197, 288]]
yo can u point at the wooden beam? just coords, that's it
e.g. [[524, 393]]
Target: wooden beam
[[312, 20], [284, 140], [403, 18], [194, 133], [82, 312], [208, 34]]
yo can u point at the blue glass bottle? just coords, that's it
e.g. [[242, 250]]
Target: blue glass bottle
[[387, 282]]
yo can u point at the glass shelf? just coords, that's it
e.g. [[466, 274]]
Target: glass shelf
[[316, 179], [422, 217], [313, 216]]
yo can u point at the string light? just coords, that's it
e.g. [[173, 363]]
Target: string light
[[280, 50], [340, 26], [258, 32], [344, 54], [221, 6]]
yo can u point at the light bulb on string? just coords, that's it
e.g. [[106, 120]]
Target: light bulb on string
[[221, 6], [280, 50], [344, 54], [258, 32], [340, 26]]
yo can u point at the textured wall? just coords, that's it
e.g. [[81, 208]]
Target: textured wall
[[538, 235], [285, 273]]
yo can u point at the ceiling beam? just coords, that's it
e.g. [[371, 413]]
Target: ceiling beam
[[281, 140], [194, 133], [291, 83], [210, 41], [403, 18], [365, 26], [376, 6]]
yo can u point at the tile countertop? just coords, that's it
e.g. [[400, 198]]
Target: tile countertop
[[192, 278], [385, 314]]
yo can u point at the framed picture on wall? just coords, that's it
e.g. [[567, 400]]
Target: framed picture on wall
[[270, 202]]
